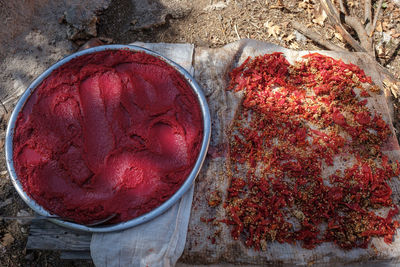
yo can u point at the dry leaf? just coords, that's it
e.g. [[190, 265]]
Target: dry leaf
[[320, 18], [329, 34], [289, 38], [291, 41], [294, 45], [393, 87], [285, 24], [7, 239], [304, 4], [381, 51], [395, 35], [272, 29], [390, 6], [339, 36], [385, 25], [378, 27]]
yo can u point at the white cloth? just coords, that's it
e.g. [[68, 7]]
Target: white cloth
[[159, 242]]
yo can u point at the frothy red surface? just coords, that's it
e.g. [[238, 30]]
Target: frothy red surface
[[111, 132]]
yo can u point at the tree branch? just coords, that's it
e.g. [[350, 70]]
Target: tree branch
[[364, 33], [329, 7], [371, 28], [367, 12], [316, 37], [342, 7], [334, 18], [366, 42]]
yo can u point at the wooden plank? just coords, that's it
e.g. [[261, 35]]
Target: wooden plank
[[48, 236], [75, 255], [74, 245]]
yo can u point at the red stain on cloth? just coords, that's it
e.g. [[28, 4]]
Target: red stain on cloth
[[111, 132]]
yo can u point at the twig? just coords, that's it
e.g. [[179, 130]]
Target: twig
[[255, 25], [334, 18], [367, 12], [4, 107], [238, 36], [317, 38], [328, 6], [371, 29], [364, 34], [349, 38], [342, 7]]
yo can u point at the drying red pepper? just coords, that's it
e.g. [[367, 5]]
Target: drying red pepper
[[294, 121]]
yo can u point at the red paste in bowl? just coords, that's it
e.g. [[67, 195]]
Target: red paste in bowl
[[109, 132]]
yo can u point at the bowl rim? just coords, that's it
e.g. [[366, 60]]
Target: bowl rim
[[142, 218]]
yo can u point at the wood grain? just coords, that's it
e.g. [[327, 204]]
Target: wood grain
[[48, 236], [75, 255]]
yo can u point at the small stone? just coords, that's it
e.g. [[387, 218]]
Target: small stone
[[92, 27], [91, 43], [72, 33], [217, 6], [82, 22], [23, 213], [106, 40], [386, 37], [300, 37], [29, 256]]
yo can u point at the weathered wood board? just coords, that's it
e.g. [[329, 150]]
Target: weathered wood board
[[44, 235]]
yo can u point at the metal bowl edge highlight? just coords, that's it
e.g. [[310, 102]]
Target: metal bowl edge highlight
[[145, 217]]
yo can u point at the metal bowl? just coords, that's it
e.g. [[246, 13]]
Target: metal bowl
[[145, 217]]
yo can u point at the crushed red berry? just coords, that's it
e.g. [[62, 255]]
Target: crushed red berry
[[295, 122]]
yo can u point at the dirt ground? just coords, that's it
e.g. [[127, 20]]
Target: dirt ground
[[35, 34]]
